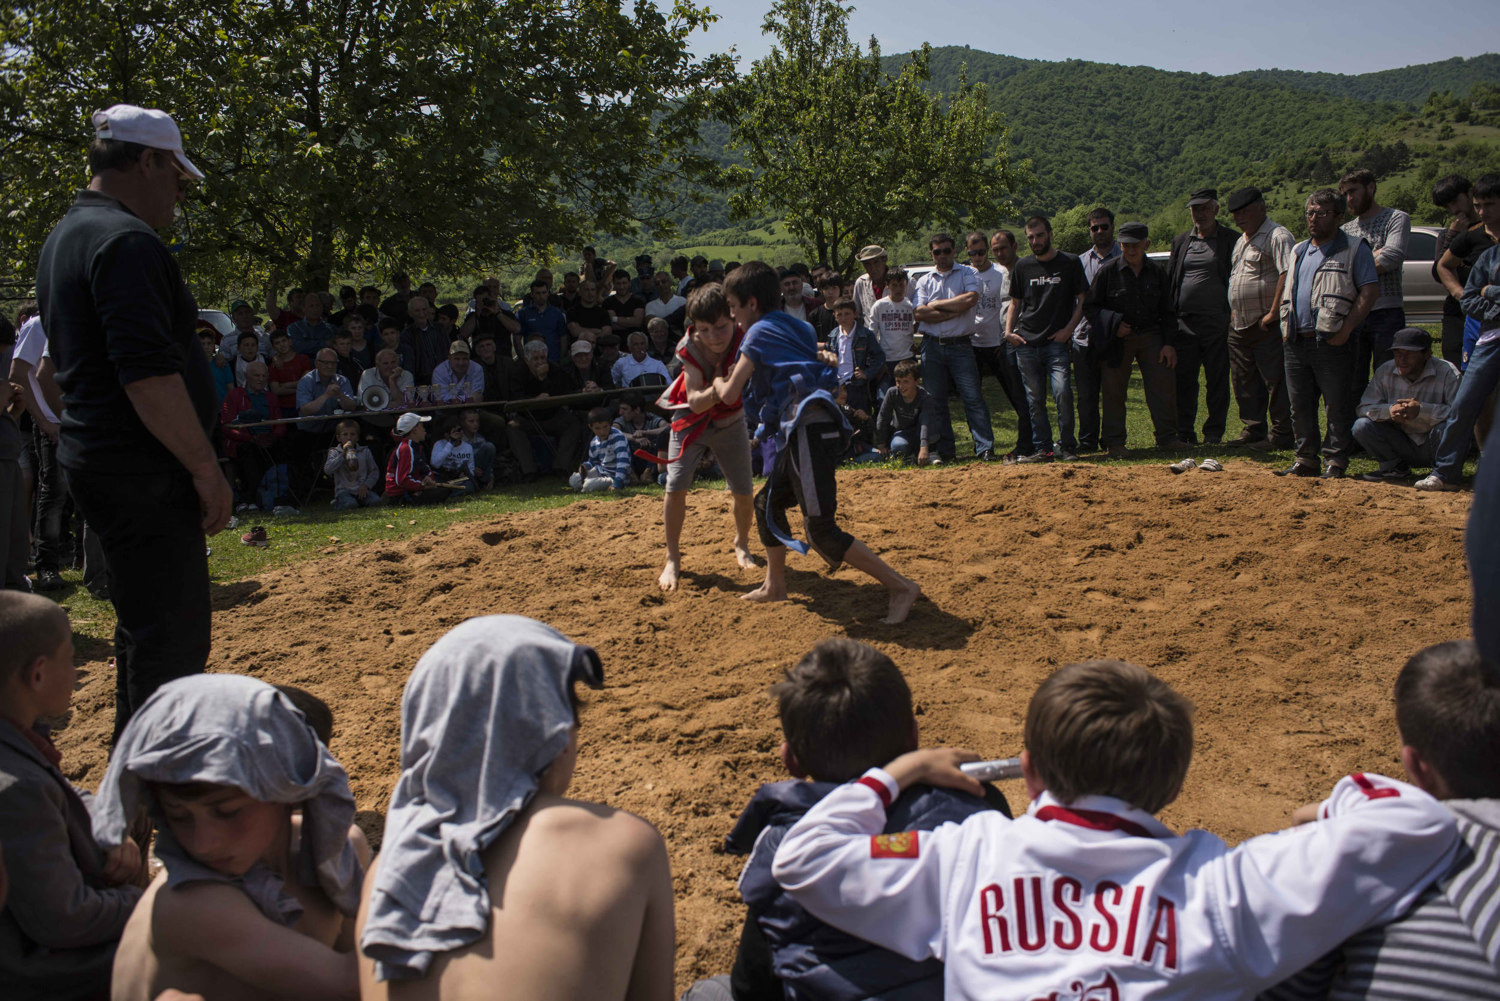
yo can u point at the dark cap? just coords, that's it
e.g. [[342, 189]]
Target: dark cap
[[1203, 196], [1411, 339], [1244, 197], [347, 292], [237, 304], [1132, 232], [608, 341], [642, 257]]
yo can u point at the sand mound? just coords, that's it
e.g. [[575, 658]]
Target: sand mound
[[1283, 609]]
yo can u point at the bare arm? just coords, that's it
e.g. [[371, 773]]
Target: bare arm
[[1012, 314], [700, 397], [162, 403], [1362, 304], [1447, 273], [46, 377], [20, 372], [729, 389], [943, 309]]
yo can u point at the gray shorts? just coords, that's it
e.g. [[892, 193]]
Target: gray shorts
[[729, 440]]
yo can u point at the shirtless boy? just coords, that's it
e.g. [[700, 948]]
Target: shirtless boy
[[788, 384], [706, 422]]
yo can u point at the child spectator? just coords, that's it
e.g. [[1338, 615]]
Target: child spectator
[[830, 291], [286, 368], [1089, 895], [861, 362], [353, 469], [843, 706], [487, 875], [861, 446], [313, 709], [446, 318], [68, 901], [218, 365], [247, 350], [788, 381], [359, 347], [483, 448], [390, 339], [703, 422], [408, 478], [892, 318], [645, 431], [607, 466], [262, 863], [453, 459], [908, 426], [349, 366]]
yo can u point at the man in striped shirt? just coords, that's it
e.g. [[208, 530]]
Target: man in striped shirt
[[1447, 947]]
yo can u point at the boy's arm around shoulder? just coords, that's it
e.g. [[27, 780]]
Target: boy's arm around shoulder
[[1280, 901], [49, 897], [730, 387], [217, 924], [887, 889]]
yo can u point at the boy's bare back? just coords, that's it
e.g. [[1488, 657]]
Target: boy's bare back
[[580, 908]]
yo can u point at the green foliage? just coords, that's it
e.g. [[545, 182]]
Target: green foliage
[[339, 136], [1407, 85], [850, 154]]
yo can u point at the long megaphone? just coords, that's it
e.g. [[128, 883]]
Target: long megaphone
[[375, 397]]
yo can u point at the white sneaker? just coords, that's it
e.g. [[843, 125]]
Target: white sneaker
[[1432, 481], [1183, 466], [1211, 466]]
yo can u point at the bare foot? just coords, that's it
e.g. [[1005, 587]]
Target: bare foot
[[764, 594], [668, 578], [901, 601], [743, 558]]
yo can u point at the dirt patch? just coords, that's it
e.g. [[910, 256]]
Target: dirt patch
[[1283, 609]]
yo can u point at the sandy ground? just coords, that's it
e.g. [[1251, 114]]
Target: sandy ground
[[1283, 609]]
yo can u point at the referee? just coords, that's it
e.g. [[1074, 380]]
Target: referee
[[139, 397]]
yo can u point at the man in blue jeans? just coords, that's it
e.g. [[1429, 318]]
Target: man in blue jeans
[[1481, 300], [1046, 303], [944, 302]]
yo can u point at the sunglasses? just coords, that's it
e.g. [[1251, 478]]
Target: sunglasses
[[1101, 229], [942, 250]]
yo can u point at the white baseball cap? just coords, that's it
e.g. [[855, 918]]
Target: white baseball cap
[[406, 422], [146, 126], [581, 348]]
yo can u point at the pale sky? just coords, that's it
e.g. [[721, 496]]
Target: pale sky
[[1168, 34]]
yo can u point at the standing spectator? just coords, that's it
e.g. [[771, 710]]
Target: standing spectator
[[1481, 301], [1003, 250], [218, 365], [139, 398], [424, 339], [861, 362], [1331, 287], [247, 351], [944, 302], [793, 299], [283, 318], [1387, 232], [666, 303], [869, 288], [458, 380], [1453, 267], [588, 319], [643, 284], [594, 269], [395, 304], [1257, 277], [1046, 303], [830, 291], [541, 379], [14, 529], [698, 278], [390, 340], [1200, 266], [544, 321], [285, 368], [252, 450], [679, 267], [626, 310], [489, 316], [1451, 194], [311, 333], [1087, 363], [988, 336], [244, 322], [1130, 302], [639, 365], [1403, 408], [566, 297], [894, 321], [350, 367], [348, 300]]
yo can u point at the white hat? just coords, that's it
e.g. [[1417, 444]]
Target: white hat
[[146, 126], [406, 422], [581, 348]]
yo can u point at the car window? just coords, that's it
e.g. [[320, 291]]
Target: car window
[[1421, 246]]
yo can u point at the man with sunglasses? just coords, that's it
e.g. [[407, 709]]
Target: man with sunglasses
[[1087, 368], [944, 302], [139, 397]]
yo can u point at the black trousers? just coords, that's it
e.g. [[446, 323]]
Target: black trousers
[[1088, 383], [151, 532], [1000, 362], [1202, 342]]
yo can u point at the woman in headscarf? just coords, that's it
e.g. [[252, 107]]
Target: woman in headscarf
[[262, 867], [491, 884]]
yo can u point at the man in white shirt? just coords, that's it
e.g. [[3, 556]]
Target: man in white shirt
[[666, 303], [990, 350], [944, 303], [638, 363], [388, 372]]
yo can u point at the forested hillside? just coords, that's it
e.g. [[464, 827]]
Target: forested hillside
[[1408, 85]]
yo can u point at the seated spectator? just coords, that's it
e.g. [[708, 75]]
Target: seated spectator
[[499, 691], [1446, 946], [284, 370], [495, 364], [425, 340], [1107, 745], [388, 373], [360, 346], [408, 477], [245, 322], [643, 430], [607, 465], [69, 900], [1401, 414], [349, 366], [322, 391], [666, 303], [218, 365], [541, 379], [458, 380], [262, 863], [842, 706], [861, 361], [861, 446], [253, 450], [584, 370], [247, 350], [589, 317], [607, 352], [908, 426], [390, 340], [484, 450], [539, 318], [660, 343], [352, 468], [311, 333], [453, 459], [638, 368], [627, 311]]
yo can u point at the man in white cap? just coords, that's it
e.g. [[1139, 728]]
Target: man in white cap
[[139, 397]]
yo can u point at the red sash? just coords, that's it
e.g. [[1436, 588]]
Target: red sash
[[688, 425]]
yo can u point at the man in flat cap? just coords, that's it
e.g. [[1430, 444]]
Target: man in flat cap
[[139, 397], [1199, 276], [1257, 276], [1400, 417]]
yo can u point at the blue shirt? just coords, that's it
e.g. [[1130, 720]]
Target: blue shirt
[[309, 388], [1364, 274], [310, 338], [935, 285], [549, 324]]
